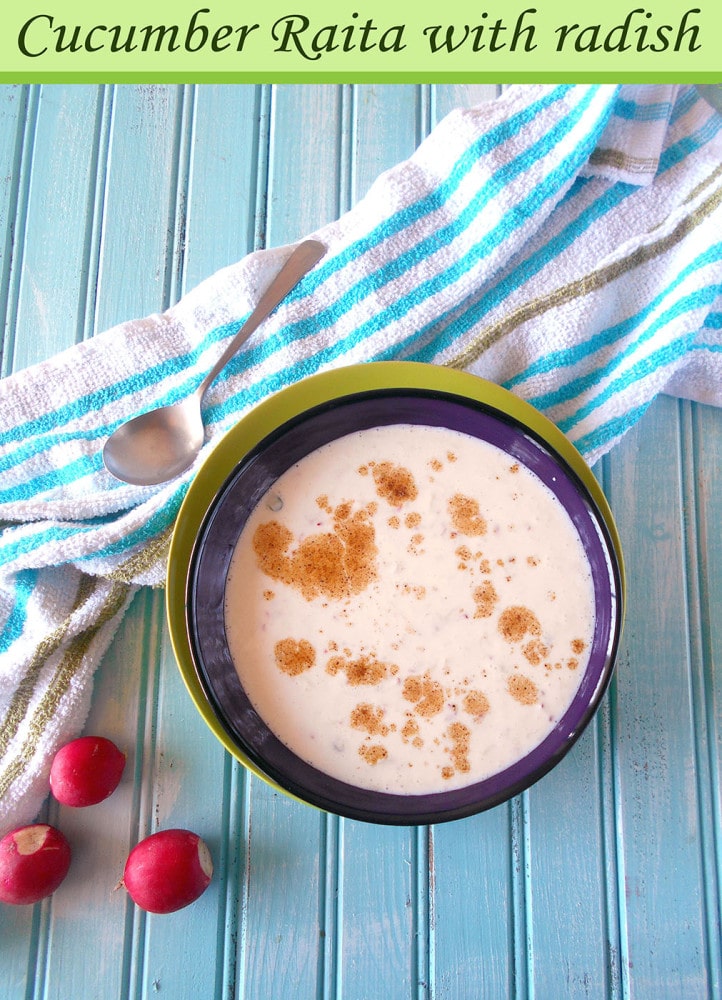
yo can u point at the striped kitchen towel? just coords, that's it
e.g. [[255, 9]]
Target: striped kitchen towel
[[564, 241]]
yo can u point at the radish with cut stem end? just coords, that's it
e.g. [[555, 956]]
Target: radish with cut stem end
[[34, 860], [86, 771], [167, 871]]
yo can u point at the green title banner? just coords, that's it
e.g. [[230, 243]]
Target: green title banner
[[317, 39]]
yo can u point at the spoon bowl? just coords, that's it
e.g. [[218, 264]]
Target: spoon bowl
[[159, 445], [156, 446]]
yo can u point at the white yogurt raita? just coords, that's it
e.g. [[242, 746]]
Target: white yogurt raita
[[409, 610]]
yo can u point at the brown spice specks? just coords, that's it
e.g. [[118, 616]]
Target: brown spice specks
[[517, 621], [294, 657], [485, 599], [535, 651], [369, 719], [425, 693], [394, 483], [362, 670], [522, 689], [372, 753], [460, 737], [410, 733], [415, 543], [465, 515], [476, 704], [333, 564]]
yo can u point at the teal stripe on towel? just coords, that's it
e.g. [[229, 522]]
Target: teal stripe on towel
[[647, 365], [578, 353], [24, 584], [608, 432]]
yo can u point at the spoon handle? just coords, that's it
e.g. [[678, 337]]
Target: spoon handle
[[301, 261]]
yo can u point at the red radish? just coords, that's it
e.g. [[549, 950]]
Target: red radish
[[167, 871], [86, 771], [34, 860]]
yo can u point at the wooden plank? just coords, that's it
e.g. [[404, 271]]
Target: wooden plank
[[226, 178], [384, 907], [13, 119], [702, 497], [57, 178], [476, 866], [281, 928], [658, 846], [388, 123], [304, 190], [140, 257], [571, 952]]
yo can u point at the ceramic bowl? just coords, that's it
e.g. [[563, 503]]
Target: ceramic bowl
[[275, 435]]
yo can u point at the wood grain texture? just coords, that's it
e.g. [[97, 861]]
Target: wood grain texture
[[603, 880]]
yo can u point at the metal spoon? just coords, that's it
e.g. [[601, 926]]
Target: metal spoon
[[160, 444]]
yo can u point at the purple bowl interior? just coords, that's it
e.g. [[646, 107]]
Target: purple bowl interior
[[222, 527]]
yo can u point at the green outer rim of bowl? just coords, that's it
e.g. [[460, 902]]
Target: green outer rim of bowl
[[287, 403]]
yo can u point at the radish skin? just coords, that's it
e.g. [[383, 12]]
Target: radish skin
[[86, 771], [34, 860], [167, 871]]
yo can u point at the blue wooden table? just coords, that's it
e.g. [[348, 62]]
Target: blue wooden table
[[603, 880]]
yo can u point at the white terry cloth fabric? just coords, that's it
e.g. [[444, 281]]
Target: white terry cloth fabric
[[564, 241]]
